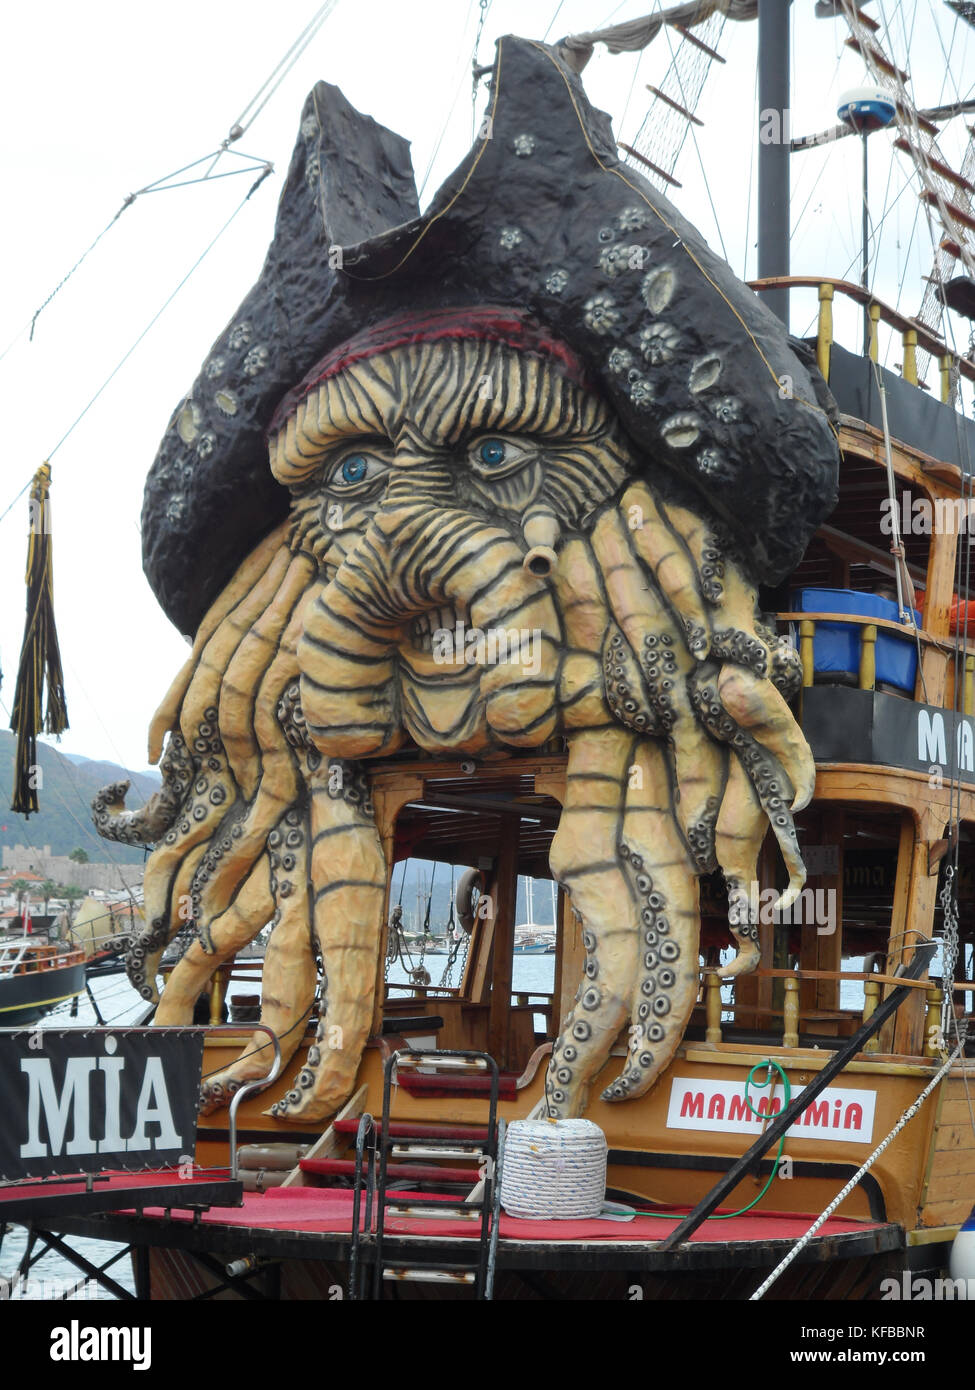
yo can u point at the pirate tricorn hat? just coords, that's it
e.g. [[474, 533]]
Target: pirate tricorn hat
[[541, 215]]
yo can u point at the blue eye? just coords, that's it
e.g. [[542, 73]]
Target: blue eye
[[353, 470], [492, 452]]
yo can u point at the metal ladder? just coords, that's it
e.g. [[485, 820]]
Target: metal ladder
[[375, 1146]]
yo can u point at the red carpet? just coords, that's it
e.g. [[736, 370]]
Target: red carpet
[[325, 1209]]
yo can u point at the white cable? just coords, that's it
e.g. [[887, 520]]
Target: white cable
[[283, 67], [908, 1114]]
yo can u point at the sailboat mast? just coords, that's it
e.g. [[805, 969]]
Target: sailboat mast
[[774, 150]]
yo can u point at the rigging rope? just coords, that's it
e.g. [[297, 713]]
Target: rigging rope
[[243, 123], [268, 169], [247, 117], [907, 1116]]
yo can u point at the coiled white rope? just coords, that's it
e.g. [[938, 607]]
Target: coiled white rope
[[908, 1114], [554, 1169]]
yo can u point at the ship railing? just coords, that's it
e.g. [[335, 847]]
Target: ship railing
[[795, 1018], [913, 334], [869, 629], [31, 959]]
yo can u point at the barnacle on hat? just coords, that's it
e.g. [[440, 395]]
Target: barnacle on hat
[[541, 216]]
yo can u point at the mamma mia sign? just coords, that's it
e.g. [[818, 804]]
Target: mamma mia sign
[[722, 1107], [82, 1101]]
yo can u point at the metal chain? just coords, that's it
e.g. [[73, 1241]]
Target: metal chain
[[949, 950]]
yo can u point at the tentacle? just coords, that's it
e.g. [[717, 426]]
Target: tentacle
[[703, 546], [348, 870], [249, 664], [240, 923], [772, 785], [665, 554], [289, 976], [661, 872], [244, 579], [279, 786], [585, 859], [665, 665], [150, 823], [165, 891], [581, 604], [739, 835], [757, 707]]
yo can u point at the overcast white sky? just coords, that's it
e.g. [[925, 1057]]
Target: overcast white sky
[[98, 100]]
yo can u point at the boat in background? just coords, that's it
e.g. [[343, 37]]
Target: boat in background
[[36, 976]]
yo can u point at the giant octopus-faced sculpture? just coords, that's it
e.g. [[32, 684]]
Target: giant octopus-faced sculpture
[[543, 407]]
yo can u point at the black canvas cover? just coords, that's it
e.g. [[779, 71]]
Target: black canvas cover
[[87, 1100]]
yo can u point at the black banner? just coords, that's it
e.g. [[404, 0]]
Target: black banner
[[867, 726], [85, 1100]]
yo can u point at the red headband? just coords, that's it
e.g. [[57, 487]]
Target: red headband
[[508, 326]]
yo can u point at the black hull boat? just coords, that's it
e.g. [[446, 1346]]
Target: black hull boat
[[34, 978]]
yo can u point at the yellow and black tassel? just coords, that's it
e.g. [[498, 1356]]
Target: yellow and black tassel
[[40, 657]]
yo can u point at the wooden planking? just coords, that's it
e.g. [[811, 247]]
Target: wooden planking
[[949, 1213], [958, 1187], [955, 1110], [952, 1137], [951, 1163]]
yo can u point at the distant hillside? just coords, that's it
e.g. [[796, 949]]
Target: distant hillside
[[64, 820]]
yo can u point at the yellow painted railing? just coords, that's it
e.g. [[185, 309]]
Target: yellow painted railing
[[913, 335], [792, 1014], [869, 629]]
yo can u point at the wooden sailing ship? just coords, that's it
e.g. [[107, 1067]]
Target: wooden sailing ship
[[887, 707]]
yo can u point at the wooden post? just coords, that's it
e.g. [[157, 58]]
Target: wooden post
[[868, 657], [504, 940], [968, 694], [807, 633], [712, 1007], [910, 355], [873, 313], [947, 362], [389, 796], [915, 895], [932, 1021], [217, 992], [829, 944], [824, 336], [790, 1036], [561, 913], [871, 998], [940, 583]]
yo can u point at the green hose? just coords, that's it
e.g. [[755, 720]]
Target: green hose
[[726, 1216]]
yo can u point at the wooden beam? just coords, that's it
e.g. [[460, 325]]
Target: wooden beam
[[504, 941], [852, 549], [389, 798], [649, 164]]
